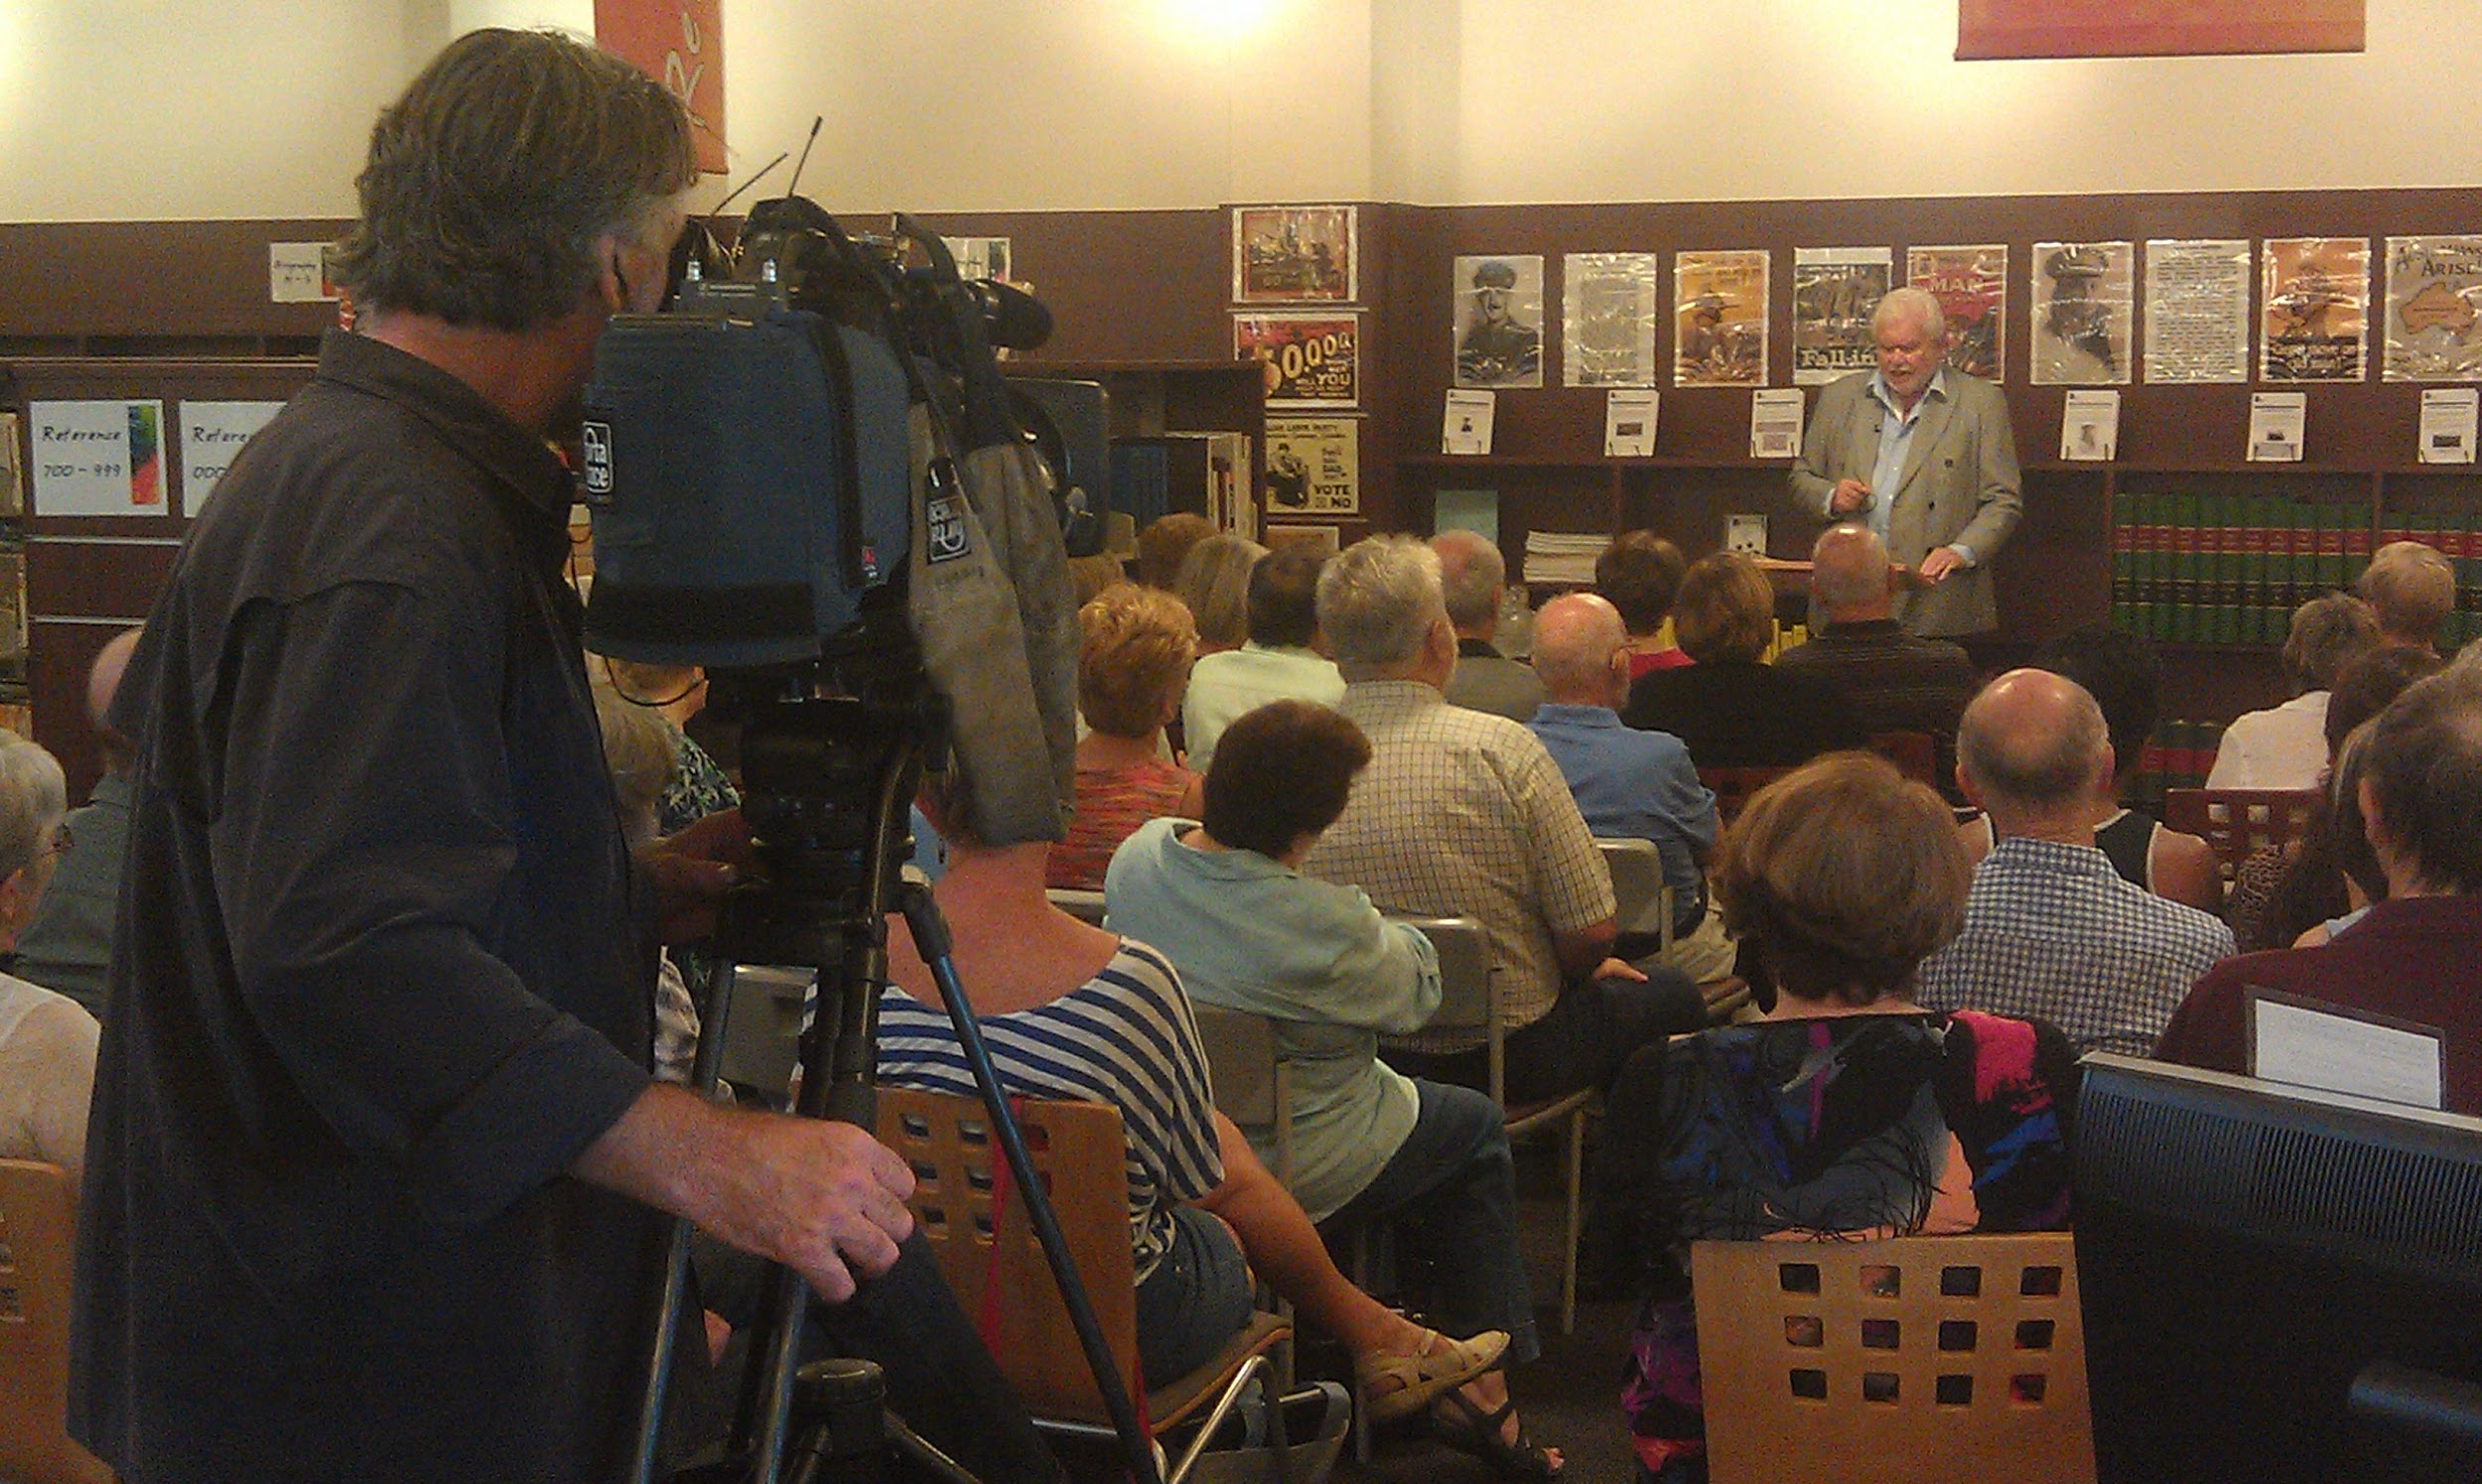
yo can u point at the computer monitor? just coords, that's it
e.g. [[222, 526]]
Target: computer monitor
[[2278, 1285]]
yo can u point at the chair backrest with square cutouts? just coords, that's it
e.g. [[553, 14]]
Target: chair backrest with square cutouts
[[2238, 823], [1915, 1358]]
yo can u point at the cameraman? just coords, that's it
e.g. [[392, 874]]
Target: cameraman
[[374, 1142]]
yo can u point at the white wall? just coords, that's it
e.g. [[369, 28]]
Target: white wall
[[119, 109]]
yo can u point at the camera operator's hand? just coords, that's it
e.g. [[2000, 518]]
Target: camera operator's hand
[[823, 1198], [692, 870]]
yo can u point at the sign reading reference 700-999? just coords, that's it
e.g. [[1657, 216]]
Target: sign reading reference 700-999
[[97, 457]]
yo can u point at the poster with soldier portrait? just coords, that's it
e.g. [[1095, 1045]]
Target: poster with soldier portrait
[[1972, 286], [1294, 255], [2314, 309], [2083, 298], [1835, 291], [2433, 308], [1314, 466], [1499, 321], [1719, 318], [1311, 357], [1610, 321]]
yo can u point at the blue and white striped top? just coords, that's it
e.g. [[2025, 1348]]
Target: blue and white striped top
[[1126, 1037]]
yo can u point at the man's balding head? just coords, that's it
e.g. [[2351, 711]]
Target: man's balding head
[[1576, 638], [1472, 574], [1849, 574], [2033, 751], [103, 683]]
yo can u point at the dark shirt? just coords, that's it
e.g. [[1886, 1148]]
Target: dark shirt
[[1742, 714], [380, 984], [1486, 680], [1894, 681], [67, 945]]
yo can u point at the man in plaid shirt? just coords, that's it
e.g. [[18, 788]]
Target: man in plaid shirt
[[2051, 931], [1464, 814]]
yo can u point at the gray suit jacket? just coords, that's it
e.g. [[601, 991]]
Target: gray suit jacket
[[1960, 486]]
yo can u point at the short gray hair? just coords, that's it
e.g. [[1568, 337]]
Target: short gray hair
[[2411, 587], [34, 798], [1917, 305], [1472, 574], [1838, 583], [2033, 767], [1378, 601], [2328, 633]]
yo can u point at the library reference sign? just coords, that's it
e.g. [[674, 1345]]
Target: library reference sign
[[98, 457]]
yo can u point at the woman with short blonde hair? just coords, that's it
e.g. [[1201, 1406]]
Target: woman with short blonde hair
[[1132, 670]]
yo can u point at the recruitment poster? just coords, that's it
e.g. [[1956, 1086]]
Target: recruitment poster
[[1499, 321], [2315, 314], [1314, 466], [1610, 321], [1310, 359], [1719, 318], [2198, 312], [2084, 303], [1835, 291], [2433, 308], [1972, 286], [1293, 255]]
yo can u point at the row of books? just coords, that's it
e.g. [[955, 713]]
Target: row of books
[[2180, 755]]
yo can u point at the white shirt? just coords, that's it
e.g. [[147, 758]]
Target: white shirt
[[2282, 748], [47, 1074]]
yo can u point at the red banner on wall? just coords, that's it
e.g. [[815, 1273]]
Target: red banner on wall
[[1989, 29], [680, 44]]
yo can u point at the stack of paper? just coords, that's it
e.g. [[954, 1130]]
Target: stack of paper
[[1562, 557]]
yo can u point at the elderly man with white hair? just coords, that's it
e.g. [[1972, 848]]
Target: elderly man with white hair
[[1921, 453], [47, 1040], [1474, 577], [1465, 813]]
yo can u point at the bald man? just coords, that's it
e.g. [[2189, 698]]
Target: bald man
[[1896, 681], [1629, 785], [2052, 932], [67, 946], [1474, 577]]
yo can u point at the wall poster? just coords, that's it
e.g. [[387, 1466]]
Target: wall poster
[[1609, 318], [1972, 286], [1294, 255], [2198, 312], [1499, 321], [1719, 318], [1311, 357], [2433, 308], [2314, 308], [1836, 290], [1314, 466], [2083, 298]]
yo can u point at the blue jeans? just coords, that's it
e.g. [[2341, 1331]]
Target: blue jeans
[[1197, 1297], [1582, 1039], [1451, 1190]]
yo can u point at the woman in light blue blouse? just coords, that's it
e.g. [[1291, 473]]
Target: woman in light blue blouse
[[1224, 900]]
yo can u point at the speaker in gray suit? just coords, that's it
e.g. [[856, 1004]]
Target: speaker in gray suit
[[1923, 455]]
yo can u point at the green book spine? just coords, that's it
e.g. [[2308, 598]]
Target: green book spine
[[2123, 548], [2332, 521]]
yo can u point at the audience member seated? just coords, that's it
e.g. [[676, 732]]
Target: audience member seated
[[1135, 660], [639, 753], [1089, 576], [1464, 814], [1730, 708], [1850, 1111], [1639, 574], [1629, 785], [1214, 585], [1226, 903], [47, 1040], [2412, 589], [2285, 747], [1279, 662], [1165, 544], [67, 946], [2412, 955], [1071, 1012], [2120, 671], [2278, 894], [1474, 577], [2051, 931], [1896, 681]]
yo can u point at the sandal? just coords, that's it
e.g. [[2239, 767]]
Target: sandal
[[1476, 1432], [1439, 1367]]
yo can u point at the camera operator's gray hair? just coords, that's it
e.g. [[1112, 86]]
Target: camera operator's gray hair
[[489, 180], [1377, 602], [1909, 302], [1472, 574], [33, 798]]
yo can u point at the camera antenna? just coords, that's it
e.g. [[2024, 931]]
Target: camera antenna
[[815, 121], [717, 209]]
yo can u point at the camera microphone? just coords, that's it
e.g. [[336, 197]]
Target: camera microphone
[[1013, 318]]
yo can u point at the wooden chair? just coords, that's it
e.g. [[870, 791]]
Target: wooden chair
[[1085, 906], [1919, 1358], [1732, 787], [1914, 754], [38, 1233], [1077, 1148], [1637, 883], [2236, 823]]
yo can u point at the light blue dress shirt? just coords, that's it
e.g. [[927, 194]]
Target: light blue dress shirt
[[1896, 444], [1634, 785]]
